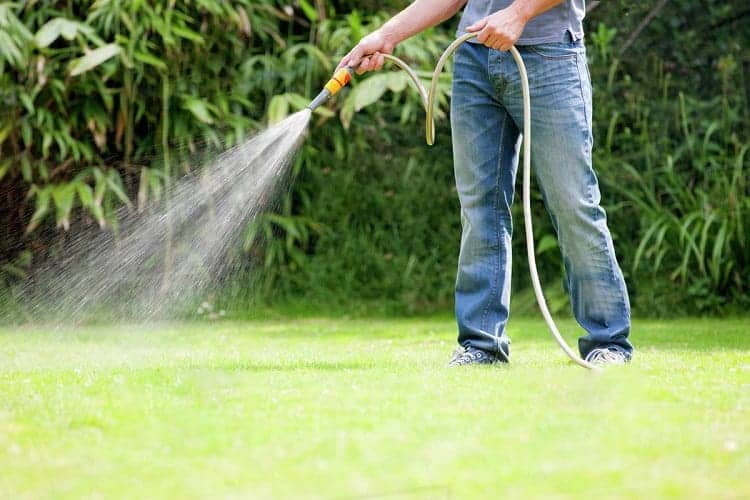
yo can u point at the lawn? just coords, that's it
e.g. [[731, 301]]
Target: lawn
[[338, 408]]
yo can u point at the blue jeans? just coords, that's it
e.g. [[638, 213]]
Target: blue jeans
[[487, 117]]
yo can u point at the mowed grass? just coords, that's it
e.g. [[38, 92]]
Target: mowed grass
[[344, 408]]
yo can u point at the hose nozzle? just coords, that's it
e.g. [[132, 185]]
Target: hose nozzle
[[339, 80]]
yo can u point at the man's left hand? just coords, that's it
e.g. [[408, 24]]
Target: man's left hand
[[500, 30]]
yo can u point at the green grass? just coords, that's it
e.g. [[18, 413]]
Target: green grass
[[366, 408]]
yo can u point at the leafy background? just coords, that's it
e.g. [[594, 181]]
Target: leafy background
[[106, 103]]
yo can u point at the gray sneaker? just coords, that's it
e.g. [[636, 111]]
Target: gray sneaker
[[473, 356], [608, 355]]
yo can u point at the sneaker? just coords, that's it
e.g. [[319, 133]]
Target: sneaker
[[608, 355], [473, 356]]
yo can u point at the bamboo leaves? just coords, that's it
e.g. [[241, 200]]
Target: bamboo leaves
[[309, 10], [63, 196], [57, 27], [278, 109], [93, 59], [150, 60], [69, 30], [105, 107], [14, 37], [199, 108], [99, 201], [42, 200]]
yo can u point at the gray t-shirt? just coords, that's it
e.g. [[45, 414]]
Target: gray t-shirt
[[548, 27]]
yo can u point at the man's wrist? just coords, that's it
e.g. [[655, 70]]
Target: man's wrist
[[390, 35], [522, 10]]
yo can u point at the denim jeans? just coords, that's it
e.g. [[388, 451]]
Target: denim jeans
[[487, 117]]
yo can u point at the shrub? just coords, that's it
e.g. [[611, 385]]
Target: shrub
[[106, 103]]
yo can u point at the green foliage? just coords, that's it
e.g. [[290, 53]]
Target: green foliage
[[674, 170], [106, 102], [83, 94]]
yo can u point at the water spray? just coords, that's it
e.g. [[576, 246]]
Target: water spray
[[344, 75]]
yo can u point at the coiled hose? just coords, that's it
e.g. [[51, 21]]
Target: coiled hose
[[342, 77]]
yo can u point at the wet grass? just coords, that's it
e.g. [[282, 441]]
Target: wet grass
[[337, 408]]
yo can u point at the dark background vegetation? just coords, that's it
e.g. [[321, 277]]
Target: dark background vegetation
[[103, 104]]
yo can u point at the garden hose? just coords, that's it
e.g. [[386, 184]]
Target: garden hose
[[344, 75]]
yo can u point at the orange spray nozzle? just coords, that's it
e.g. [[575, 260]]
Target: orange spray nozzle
[[338, 81]]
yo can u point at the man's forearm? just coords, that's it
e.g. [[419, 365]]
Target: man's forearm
[[419, 16], [369, 53], [529, 9], [499, 30], [423, 14]]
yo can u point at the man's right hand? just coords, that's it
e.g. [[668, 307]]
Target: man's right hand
[[367, 55]]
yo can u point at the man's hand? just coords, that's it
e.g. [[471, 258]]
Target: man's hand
[[500, 30], [418, 16], [367, 55]]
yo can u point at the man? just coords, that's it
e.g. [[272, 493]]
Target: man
[[487, 117]]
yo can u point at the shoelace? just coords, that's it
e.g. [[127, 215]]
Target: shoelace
[[605, 356], [465, 354], [460, 356]]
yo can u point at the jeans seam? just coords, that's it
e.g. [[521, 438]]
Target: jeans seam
[[580, 87], [487, 68], [623, 288], [496, 210]]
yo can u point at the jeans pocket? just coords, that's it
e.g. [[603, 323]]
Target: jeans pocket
[[559, 51]]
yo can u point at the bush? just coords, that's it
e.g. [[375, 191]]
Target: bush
[[105, 103]]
